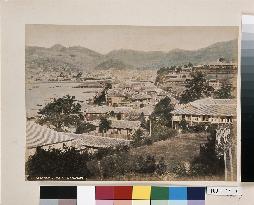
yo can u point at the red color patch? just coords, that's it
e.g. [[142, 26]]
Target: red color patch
[[104, 192], [123, 192]]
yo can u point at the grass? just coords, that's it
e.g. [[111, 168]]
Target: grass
[[182, 148]]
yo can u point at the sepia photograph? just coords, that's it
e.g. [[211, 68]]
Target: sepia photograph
[[131, 103]]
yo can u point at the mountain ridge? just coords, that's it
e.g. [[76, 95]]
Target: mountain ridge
[[59, 57]]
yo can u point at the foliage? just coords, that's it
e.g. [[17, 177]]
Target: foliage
[[118, 116], [62, 112], [100, 99], [225, 92], [162, 112], [183, 125], [57, 163], [102, 152], [179, 169], [104, 125], [207, 162], [201, 127], [142, 120], [222, 59], [145, 164], [85, 127], [137, 138], [114, 165], [161, 167], [160, 133], [196, 88]]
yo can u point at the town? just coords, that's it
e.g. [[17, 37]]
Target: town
[[121, 105]]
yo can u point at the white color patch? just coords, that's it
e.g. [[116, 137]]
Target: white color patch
[[86, 195]]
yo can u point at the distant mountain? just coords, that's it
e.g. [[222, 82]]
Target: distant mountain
[[113, 64], [210, 54], [59, 57]]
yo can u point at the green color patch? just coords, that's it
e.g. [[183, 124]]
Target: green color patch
[[160, 193]]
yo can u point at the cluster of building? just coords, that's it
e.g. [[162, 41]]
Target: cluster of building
[[126, 100]]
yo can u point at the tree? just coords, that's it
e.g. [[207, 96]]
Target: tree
[[142, 120], [79, 75], [146, 164], [222, 60], [190, 65], [162, 112], [101, 98], [85, 127], [196, 88], [161, 167], [207, 162], [118, 116], [183, 125], [104, 125], [61, 113], [225, 92], [137, 138], [58, 163]]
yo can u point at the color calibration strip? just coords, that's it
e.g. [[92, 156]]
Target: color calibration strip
[[247, 98], [122, 195]]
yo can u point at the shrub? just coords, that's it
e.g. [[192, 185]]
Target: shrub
[[183, 125], [85, 127], [56, 163], [145, 164], [163, 133], [179, 170], [207, 161], [161, 167]]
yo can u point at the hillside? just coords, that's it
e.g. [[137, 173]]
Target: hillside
[[112, 64], [156, 59], [59, 57]]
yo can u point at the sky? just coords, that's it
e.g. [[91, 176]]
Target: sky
[[104, 39]]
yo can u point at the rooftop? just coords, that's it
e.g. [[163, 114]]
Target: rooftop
[[208, 106], [125, 124], [37, 136], [107, 109]]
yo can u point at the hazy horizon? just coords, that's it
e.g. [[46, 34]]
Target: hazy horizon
[[104, 39]]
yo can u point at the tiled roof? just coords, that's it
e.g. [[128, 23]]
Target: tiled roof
[[115, 93], [140, 96], [124, 124], [208, 106], [37, 135], [99, 142], [147, 110], [107, 109]]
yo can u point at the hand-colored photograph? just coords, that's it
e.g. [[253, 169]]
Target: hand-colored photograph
[[131, 103]]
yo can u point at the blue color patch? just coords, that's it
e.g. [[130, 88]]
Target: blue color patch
[[178, 193], [178, 202], [196, 193]]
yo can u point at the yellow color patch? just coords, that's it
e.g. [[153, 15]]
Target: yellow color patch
[[141, 192]]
